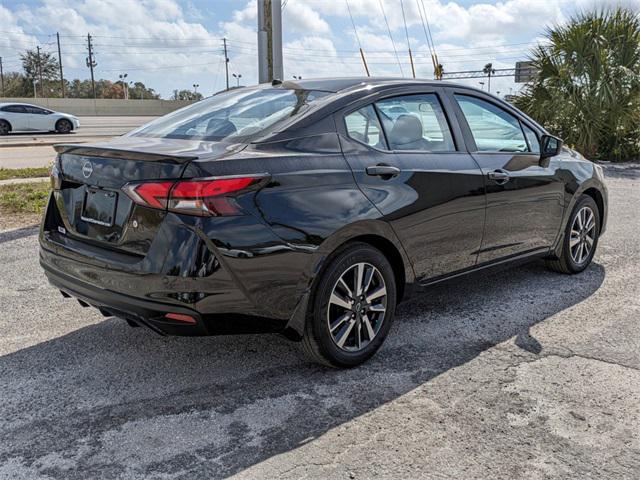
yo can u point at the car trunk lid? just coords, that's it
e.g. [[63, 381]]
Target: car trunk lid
[[90, 199]]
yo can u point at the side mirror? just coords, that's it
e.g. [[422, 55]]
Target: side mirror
[[550, 146]]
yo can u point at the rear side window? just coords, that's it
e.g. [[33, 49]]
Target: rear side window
[[493, 129], [416, 122], [14, 109], [363, 125]]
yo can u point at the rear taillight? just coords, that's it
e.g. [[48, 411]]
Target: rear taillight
[[204, 197]]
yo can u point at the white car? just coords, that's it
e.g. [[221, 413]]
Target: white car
[[22, 117]]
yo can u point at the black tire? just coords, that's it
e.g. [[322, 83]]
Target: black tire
[[567, 261], [5, 127], [318, 343], [63, 126]]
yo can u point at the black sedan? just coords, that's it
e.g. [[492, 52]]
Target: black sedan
[[312, 209]]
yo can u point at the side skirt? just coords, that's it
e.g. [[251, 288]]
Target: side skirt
[[503, 262]]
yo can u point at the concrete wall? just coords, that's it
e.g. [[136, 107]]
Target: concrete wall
[[104, 106]]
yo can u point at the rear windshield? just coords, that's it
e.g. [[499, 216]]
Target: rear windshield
[[235, 115]]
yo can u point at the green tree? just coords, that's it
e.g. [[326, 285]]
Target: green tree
[[17, 85], [186, 95], [587, 89], [139, 91], [39, 66], [45, 63]]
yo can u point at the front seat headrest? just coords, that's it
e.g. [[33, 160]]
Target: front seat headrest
[[406, 129], [220, 127]]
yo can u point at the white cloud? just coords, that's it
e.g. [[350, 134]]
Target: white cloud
[[300, 17], [166, 43]]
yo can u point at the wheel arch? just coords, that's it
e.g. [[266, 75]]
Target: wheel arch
[[376, 233], [594, 189], [392, 253], [55, 125], [7, 122], [597, 196]]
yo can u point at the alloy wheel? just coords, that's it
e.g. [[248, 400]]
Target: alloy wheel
[[64, 126], [582, 236], [357, 307]]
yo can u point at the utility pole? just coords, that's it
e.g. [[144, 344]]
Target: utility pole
[[366, 67], [91, 63], [269, 40], [226, 60], [1, 77], [40, 72], [60, 64]]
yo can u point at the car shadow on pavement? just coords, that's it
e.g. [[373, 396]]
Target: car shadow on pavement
[[109, 401]]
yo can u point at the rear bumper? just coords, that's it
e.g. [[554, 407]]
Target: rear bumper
[[151, 314], [110, 303], [224, 272]]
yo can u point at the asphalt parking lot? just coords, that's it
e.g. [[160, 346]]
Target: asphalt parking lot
[[522, 373]]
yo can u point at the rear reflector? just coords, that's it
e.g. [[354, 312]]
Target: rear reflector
[[209, 197], [181, 318]]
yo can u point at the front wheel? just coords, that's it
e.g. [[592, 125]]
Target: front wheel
[[580, 238], [352, 309], [63, 126]]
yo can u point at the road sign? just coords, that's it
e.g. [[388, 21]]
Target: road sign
[[525, 72]]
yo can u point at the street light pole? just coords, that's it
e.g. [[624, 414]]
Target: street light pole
[[237, 77], [125, 86]]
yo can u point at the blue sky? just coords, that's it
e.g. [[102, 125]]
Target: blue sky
[[172, 44]]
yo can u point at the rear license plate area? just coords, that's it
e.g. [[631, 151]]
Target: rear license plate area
[[99, 206]]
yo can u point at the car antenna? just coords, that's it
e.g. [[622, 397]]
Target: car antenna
[[276, 81]]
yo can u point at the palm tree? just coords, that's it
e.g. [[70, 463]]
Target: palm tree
[[587, 87]]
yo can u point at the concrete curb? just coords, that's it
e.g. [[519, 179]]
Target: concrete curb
[[48, 143], [15, 181]]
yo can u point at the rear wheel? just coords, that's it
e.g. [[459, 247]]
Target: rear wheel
[[5, 127], [63, 126], [353, 308], [580, 238]]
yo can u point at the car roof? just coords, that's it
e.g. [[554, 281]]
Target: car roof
[[5, 104], [340, 84]]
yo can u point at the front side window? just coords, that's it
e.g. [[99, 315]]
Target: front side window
[[235, 115], [493, 129], [363, 125], [36, 110], [416, 122], [532, 138]]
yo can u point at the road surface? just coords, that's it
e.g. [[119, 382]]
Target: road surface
[[523, 373]]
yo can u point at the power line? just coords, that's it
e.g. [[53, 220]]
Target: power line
[[391, 37], [355, 30], [406, 31]]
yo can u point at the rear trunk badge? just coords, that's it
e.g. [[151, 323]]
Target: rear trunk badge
[[87, 169]]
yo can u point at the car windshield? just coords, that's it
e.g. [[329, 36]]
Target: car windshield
[[236, 115]]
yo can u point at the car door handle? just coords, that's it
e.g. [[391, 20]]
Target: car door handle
[[499, 176], [383, 171]]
